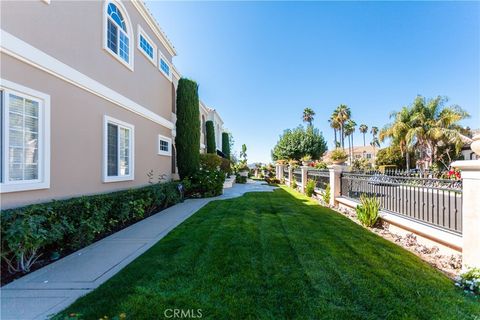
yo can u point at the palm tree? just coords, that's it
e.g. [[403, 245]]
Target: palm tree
[[398, 132], [308, 115], [342, 114], [335, 126], [363, 129], [432, 123], [349, 130], [375, 144]]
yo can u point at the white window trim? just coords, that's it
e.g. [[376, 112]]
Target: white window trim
[[141, 32], [161, 56], [119, 123], [161, 152], [130, 33], [43, 181]]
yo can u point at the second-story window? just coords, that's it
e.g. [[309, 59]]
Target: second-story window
[[164, 66], [147, 46], [117, 37]]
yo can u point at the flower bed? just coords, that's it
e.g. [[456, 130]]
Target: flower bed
[[36, 235]]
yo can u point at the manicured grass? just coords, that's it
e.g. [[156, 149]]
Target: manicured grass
[[277, 256]]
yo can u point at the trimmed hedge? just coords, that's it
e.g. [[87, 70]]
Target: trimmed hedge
[[59, 227], [211, 146], [226, 144], [187, 140]]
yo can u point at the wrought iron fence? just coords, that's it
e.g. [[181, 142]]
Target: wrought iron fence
[[285, 173], [414, 173], [297, 174], [321, 177], [433, 201]]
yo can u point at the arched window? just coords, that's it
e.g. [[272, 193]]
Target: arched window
[[117, 33]]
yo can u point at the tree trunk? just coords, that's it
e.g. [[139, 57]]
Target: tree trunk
[[342, 133], [335, 134], [364, 139], [407, 156]]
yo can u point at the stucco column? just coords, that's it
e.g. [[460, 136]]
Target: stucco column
[[335, 171], [290, 174], [279, 168], [470, 170], [304, 177]]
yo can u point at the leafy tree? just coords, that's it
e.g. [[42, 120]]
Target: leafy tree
[[299, 142], [226, 144], [433, 124], [211, 146], [187, 140], [427, 126], [243, 154], [392, 155], [308, 116], [363, 129], [398, 130]]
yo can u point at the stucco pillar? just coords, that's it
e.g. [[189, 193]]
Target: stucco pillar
[[279, 171], [470, 170], [290, 175], [304, 178], [335, 171]]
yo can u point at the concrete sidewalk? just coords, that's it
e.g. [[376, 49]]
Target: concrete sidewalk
[[56, 286]]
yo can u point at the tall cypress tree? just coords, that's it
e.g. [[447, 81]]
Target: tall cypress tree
[[226, 144], [187, 140], [211, 146]]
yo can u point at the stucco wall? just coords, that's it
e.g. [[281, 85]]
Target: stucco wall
[[77, 138], [72, 32]]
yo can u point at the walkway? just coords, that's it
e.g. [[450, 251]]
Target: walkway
[[54, 287]]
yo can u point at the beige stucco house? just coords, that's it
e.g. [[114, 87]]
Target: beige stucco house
[[206, 114], [88, 105]]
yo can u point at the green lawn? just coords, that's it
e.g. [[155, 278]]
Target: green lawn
[[277, 256]]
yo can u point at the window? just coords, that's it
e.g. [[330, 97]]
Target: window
[[147, 46], [164, 66], [164, 146], [25, 138], [118, 150], [369, 156], [117, 39]]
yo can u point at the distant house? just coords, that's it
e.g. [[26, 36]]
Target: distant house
[[367, 152], [206, 114], [467, 152]]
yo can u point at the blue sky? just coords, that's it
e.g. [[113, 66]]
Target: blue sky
[[261, 63]]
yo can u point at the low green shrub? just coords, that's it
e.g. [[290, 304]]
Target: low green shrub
[[338, 155], [326, 194], [204, 184], [272, 180], [240, 179], [210, 161], [293, 183], [310, 187], [62, 226], [320, 165], [367, 211], [469, 280], [226, 166]]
